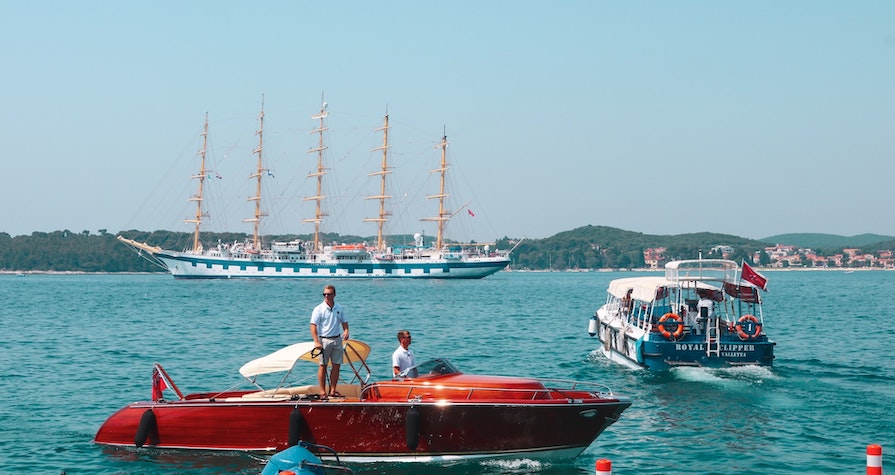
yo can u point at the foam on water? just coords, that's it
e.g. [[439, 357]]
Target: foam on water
[[729, 377], [516, 465]]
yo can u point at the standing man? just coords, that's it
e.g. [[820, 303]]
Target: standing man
[[403, 357], [627, 303], [329, 326], [705, 308]]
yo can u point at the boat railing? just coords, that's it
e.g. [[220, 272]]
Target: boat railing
[[588, 386], [549, 391]]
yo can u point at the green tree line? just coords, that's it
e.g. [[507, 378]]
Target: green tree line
[[601, 247]]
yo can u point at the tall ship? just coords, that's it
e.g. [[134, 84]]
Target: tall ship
[[298, 258]]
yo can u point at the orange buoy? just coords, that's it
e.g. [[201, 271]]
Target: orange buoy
[[668, 317], [748, 336], [874, 460]]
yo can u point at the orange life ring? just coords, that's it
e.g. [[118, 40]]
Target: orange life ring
[[680, 326], [746, 336]]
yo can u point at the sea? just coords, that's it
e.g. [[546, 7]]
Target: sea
[[76, 348]]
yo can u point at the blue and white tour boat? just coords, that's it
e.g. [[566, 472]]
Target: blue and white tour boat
[[702, 312]]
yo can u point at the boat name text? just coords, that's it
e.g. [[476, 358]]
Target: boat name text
[[740, 349]]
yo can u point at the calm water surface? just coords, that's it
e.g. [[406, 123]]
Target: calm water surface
[[77, 348]]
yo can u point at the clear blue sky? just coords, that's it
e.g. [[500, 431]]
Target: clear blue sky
[[751, 118]]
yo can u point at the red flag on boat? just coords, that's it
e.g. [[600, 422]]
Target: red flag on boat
[[470, 212], [158, 384], [754, 278]]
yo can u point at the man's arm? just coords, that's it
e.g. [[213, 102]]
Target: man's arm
[[314, 335]]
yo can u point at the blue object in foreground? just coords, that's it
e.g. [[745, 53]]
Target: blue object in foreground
[[299, 460]]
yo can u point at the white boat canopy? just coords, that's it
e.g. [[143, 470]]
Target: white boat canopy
[[717, 270], [284, 358], [645, 289]]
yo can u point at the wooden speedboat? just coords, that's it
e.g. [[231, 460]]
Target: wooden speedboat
[[440, 414]]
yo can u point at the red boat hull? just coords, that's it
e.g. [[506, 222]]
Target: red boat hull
[[441, 415], [371, 431]]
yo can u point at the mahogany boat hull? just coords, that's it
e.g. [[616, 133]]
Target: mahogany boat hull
[[364, 430]]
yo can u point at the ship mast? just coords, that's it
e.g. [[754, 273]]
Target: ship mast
[[318, 213], [259, 172], [382, 172], [443, 215], [198, 196]]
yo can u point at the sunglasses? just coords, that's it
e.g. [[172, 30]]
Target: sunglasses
[[327, 295]]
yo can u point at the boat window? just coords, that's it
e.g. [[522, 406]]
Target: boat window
[[436, 367]]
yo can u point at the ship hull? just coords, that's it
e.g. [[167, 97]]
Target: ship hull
[[657, 354], [187, 266]]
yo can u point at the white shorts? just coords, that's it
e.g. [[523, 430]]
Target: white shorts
[[332, 351]]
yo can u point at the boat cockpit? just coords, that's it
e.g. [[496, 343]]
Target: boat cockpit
[[428, 369]]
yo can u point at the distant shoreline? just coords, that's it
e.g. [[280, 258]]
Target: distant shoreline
[[72, 272], [762, 269], [518, 271]]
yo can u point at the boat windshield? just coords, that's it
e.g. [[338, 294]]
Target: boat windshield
[[435, 367]]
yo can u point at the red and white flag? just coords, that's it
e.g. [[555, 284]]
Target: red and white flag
[[750, 275], [470, 212], [159, 384]]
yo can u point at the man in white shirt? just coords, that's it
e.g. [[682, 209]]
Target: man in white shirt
[[329, 328], [403, 358], [703, 315]]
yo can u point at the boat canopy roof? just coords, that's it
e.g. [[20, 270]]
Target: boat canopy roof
[[718, 270], [644, 288], [647, 289], [284, 358]]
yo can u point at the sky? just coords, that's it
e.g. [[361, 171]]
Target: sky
[[750, 118]]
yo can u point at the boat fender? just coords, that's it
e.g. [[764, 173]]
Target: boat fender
[[742, 333], [638, 350], [296, 426], [412, 427], [592, 326], [148, 428], [680, 326]]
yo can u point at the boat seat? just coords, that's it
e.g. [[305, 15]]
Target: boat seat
[[347, 390]]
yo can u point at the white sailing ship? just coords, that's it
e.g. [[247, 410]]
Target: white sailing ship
[[312, 258]]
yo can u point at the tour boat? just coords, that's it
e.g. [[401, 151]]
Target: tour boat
[[702, 312], [440, 414], [437, 259]]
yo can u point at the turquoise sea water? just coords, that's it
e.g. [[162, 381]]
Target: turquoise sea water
[[75, 348]]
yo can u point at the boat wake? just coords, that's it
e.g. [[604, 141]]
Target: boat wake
[[516, 465], [527, 466], [734, 376]]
